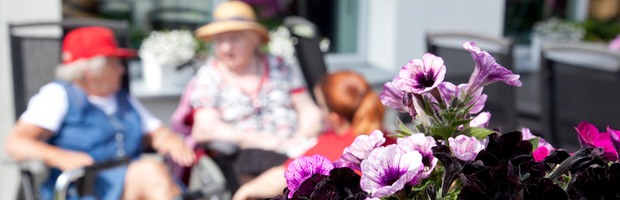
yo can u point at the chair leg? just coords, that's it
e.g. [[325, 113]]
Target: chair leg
[[27, 188]]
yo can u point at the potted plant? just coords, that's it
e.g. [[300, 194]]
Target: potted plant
[[162, 52], [450, 154]]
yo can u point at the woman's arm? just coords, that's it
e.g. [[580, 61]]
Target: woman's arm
[[25, 143], [308, 126], [268, 184], [309, 115], [208, 126]]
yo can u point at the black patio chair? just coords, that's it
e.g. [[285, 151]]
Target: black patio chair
[[581, 82], [35, 54], [306, 40]]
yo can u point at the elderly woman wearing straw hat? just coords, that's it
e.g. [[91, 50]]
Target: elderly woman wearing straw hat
[[248, 99], [85, 118]]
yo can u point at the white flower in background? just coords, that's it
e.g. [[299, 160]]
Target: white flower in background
[[169, 48], [280, 44], [557, 30]]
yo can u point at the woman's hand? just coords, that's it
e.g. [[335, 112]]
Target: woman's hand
[[178, 151], [168, 143]]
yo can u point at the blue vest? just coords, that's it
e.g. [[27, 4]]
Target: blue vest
[[88, 129]]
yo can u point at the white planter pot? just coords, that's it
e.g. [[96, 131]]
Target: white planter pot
[[157, 75]]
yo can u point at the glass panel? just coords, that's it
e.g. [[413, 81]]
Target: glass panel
[[347, 11], [337, 20]]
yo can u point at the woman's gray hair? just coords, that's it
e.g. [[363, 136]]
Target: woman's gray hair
[[75, 70]]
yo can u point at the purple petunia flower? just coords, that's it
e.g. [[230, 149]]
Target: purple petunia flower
[[487, 71], [420, 76], [466, 148], [394, 97], [449, 91], [361, 148], [388, 169], [422, 144], [589, 135], [481, 120], [304, 167]]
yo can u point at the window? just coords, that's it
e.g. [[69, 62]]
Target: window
[[339, 21]]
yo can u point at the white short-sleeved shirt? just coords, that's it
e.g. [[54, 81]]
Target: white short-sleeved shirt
[[47, 109]]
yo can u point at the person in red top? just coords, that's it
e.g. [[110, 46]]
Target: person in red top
[[349, 107]]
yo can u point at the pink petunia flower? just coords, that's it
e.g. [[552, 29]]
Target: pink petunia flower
[[615, 137], [466, 148], [589, 135], [543, 149], [527, 135], [540, 153], [614, 45]]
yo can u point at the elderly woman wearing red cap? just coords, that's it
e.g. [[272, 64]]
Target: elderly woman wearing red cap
[[85, 118], [248, 99]]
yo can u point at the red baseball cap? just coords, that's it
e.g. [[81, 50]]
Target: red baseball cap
[[88, 42]]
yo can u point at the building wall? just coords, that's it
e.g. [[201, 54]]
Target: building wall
[[396, 28], [15, 11], [382, 22]]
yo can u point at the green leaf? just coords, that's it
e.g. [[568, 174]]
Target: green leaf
[[480, 133], [390, 198], [442, 132], [460, 122], [402, 133], [534, 142], [403, 129], [525, 176], [422, 187]]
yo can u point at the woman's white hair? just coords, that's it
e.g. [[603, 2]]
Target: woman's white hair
[[75, 70]]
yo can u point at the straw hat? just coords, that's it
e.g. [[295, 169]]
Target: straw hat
[[232, 16]]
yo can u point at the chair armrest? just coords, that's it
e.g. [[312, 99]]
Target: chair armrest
[[85, 175], [63, 181]]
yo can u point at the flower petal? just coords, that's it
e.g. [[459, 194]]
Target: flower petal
[[388, 169], [361, 148], [304, 167], [487, 71]]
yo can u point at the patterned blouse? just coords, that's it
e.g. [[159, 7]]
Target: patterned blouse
[[270, 112]]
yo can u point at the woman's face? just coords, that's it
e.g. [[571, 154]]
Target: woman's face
[[237, 48], [108, 81]]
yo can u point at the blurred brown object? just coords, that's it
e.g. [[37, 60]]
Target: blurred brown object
[[80, 8], [604, 9]]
